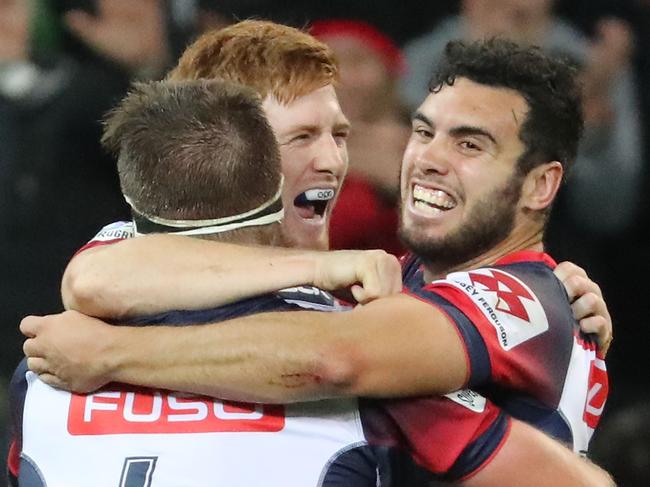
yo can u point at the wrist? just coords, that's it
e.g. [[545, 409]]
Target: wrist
[[114, 357]]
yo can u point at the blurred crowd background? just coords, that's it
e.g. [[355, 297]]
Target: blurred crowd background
[[64, 63]]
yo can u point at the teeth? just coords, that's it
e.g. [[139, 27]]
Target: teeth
[[426, 208], [438, 198]]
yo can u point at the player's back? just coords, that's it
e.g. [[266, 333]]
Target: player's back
[[127, 436]]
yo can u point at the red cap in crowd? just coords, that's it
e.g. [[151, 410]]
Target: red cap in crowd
[[368, 34]]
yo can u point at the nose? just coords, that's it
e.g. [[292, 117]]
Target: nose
[[331, 157], [433, 157]]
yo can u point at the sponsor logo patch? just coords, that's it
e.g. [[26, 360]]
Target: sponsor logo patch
[[508, 304], [156, 412], [469, 399]]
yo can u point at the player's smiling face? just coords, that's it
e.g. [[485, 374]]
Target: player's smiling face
[[312, 133], [458, 182]]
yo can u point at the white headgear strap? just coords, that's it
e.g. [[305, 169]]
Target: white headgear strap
[[270, 211]]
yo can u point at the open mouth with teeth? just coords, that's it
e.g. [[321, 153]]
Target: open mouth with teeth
[[432, 200], [313, 203]]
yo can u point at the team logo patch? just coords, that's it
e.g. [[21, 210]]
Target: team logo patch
[[155, 412], [507, 303], [469, 399]]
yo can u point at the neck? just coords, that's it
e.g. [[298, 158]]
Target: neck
[[509, 245]]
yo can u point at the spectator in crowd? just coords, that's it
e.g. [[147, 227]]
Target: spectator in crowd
[[370, 65], [55, 182]]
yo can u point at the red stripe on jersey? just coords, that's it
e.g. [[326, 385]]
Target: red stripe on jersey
[[438, 430], [527, 256], [97, 243], [13, 459]]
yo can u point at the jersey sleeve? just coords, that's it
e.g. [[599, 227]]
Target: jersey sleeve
[[505, 327], [445, 438], [110, 234]]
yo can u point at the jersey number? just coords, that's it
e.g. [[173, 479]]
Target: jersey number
[[137, 471]]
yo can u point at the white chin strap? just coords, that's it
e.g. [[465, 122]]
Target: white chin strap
[[270, 211]]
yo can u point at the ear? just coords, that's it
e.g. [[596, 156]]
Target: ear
[[541, 186]]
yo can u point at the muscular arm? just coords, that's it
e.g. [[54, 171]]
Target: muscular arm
[[155, 273], [530, 457], [274, 357]]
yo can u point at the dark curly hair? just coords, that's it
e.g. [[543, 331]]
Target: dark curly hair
[[554, 124]]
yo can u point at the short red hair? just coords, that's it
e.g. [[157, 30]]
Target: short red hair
[[271, 58]]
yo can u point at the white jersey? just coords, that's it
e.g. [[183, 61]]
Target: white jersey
[[135, 437], [128, 438]]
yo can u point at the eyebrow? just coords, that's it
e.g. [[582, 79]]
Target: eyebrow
[[457, 131], [472, 130], [422, 118], [342, 125], [314, 127]]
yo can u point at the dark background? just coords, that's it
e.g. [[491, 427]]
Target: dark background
[[57, 188]]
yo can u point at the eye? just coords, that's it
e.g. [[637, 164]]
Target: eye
[[423, 132], [301, 137], [469, 145], [341, 137]]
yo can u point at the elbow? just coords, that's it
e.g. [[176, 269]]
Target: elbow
[[340, 371], [76, 289], [84, 288]]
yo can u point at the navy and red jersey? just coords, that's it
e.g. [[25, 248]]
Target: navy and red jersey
[[131, 436], [525, 350]]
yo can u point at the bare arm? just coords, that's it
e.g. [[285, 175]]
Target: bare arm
[[273, 357], [529, 457], [155, 273]]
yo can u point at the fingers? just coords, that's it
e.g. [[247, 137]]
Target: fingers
[[568, 271], [595, 325], [382, 278], [589, 304], [31, 325], [38, 365], [577, 285], [594, 318], [53, 381], [600, 327]]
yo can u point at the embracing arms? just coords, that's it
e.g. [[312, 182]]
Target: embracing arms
[[150, 274], [272, 357], [155, 273]]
